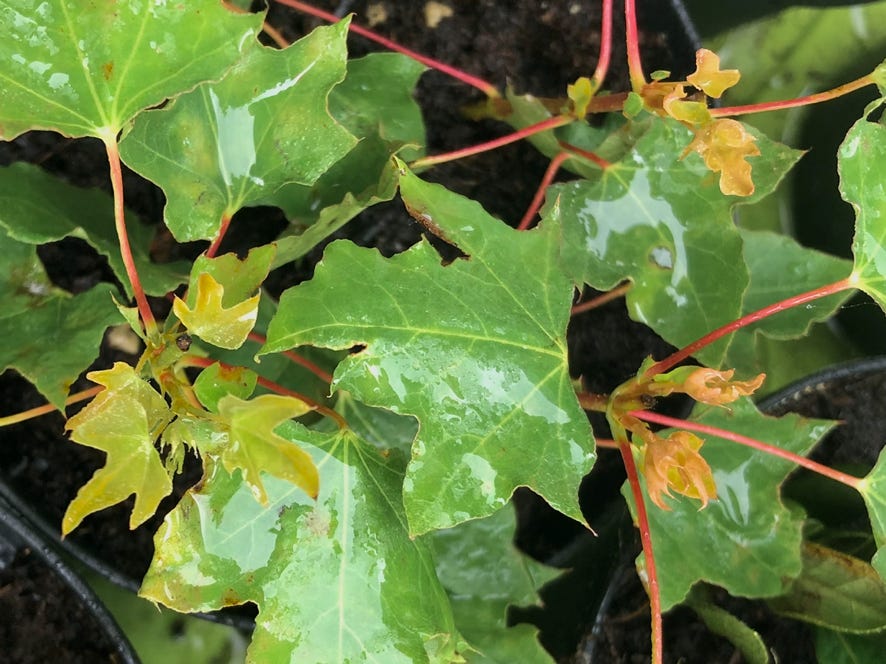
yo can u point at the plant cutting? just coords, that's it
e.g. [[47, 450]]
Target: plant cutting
[[344, 511]]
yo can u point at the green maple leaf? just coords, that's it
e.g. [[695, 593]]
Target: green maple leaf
[[746, 540], [861, 162], [475, 350], [233, 143], [124, 420], [85, 69], [254, 448], [662, 222], [336, 580], [50, 337], [481, 593]]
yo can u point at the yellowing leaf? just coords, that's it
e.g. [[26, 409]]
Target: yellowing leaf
[[708, 76], [211, 321], [124, 420], [580, 93], [255, 448], [725, 145]]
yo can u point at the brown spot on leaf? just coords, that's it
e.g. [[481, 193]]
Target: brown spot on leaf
[[108, 70]]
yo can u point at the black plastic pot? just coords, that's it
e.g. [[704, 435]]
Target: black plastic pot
[[49, 613]]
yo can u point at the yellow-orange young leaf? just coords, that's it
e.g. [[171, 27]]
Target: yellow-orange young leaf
[[725, 145], [123, 420], [708, 77], [674, 463], [211, 321], [717, 387]]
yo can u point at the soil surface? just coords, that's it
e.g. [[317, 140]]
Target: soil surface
[[536, 46], [44, 620]]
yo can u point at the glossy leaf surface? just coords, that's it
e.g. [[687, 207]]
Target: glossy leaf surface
[[232, 143], [53, 343], [484, 573], [474, 349], [38, 208], [862, 167], [374, 102], [123, 420], [662, 222], [85, 69], [747, 540], [335, 580]]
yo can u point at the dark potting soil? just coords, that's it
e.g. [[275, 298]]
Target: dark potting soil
[[43, 620], [538, 46]]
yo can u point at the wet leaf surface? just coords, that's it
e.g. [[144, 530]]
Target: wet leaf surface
[[233, 143], [862, 163], [337, 579], [86, 69], [474, 349], [747, 540], [660, 221]]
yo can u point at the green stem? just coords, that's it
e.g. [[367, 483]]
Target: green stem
[[744, 321], [635, 64], [141, 300], [537, 128], [836, 475], [485, 87], [816, 98], [651, 584]]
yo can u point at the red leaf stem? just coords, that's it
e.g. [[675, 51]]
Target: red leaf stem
[[537, 128], [586, 154], [635, 65], [141, 300], [539, 197], [213, 248], [605, 47], [744, 321], [651, 584], [843, 478], [203, 362], [485, 87], [602, 299], [762, 107], [325, 376]]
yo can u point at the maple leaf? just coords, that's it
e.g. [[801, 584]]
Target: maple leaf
[[254, 448], [725, 145], [211, 321], [708, 77], [123, 420], [474, 349]]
